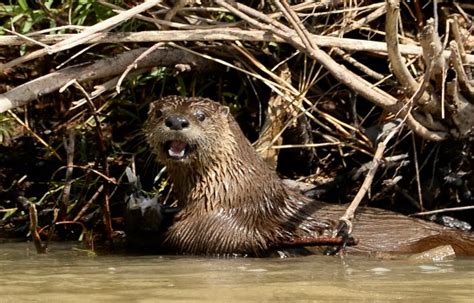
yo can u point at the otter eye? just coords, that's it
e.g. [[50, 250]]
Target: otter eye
[[200, 115], [158, 113]]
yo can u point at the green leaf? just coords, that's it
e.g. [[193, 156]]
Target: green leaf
[[27, 25], [48, 4], [23, 4], [17, 17]]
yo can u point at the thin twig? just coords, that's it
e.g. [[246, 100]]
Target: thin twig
[[417, 173], [318, 241], [88, 204], [134, 64], [350, 211], [438, 211], [49, 147]]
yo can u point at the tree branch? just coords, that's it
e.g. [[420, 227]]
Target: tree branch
[[109, 67]]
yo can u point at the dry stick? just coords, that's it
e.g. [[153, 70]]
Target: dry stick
[[309, 145], [362, 67], [99, 89], [423, 86], [380, 11], [40, 248], [460, 42], [84, 36], [85, 49], [457, 37], [134, 64], [340, 72], [88, 168], [89, 203], [24, 37], [163, 23], [224, 34], [435, 68], [179, 4], [57, 29], [433, 49], [467, 86], [461, 11], [317, 241], [44, 143], [365, 20], [437, 211], [439, 63], [36, 88], [296, 23], [417, 173], [252, 16], [350, 211]]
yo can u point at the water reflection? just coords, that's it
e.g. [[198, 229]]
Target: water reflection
[[71, 275]]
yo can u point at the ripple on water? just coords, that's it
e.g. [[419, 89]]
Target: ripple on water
[[66, 275]]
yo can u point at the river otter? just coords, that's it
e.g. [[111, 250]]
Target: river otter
[[231, 202]]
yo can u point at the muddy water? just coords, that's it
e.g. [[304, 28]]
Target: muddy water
[[68, 274]]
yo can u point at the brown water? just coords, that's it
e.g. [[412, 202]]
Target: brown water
[[67, 274]]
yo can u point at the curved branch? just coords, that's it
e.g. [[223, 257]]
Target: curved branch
[[399, 69], [109, 67]]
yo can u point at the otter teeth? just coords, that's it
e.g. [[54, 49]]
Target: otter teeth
[[177, 149]]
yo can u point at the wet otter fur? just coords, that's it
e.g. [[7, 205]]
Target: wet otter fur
[[231, 202]]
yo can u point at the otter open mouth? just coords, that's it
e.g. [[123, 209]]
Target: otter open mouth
[[177, 149]]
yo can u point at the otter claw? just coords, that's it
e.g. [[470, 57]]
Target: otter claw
[[343, 230]]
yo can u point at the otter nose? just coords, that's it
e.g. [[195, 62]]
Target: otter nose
[[177, 122]]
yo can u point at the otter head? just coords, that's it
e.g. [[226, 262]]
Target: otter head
[[182, 131]]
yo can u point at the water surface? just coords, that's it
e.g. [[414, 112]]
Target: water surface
[[68, 274]]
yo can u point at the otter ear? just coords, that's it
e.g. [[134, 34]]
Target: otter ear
[[154, 110], [224, 110], [151, 107]]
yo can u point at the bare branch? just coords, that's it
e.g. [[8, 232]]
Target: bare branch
[[109, 67], [222, 34], [396, 60]]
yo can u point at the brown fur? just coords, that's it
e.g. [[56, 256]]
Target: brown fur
[[233, 203]]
